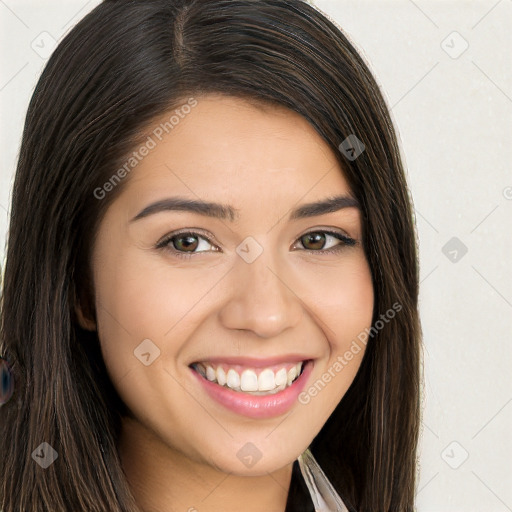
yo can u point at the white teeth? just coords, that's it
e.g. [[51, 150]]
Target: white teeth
[[233, 379], [210, 373], [292, 373], [221, 376], [267, 382], [281, 377], [249, 381]]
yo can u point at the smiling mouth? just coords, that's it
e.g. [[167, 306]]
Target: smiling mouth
[[250, 380]]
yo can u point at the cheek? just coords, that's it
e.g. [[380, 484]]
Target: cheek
[[139, 297], [135, 292], [130, 303], [342, 303], [343, 300]]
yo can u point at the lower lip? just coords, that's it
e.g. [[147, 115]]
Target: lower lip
[[257, 406]]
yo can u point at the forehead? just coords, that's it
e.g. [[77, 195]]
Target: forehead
[[226, 146]]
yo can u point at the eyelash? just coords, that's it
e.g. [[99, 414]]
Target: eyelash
[[164, 244]]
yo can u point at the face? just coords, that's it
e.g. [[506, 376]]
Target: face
[[251, 290]]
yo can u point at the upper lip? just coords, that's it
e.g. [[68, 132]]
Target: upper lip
[[256, 362]]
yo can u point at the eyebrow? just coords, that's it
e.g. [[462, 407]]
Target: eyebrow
[[228, 212]]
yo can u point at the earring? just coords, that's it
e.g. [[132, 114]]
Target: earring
[[6, 382]]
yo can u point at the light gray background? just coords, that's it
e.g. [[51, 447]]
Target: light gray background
[[453, 110]]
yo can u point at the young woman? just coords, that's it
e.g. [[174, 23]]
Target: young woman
[[210, 292]]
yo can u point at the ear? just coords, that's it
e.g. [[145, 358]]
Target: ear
[[84, 315]]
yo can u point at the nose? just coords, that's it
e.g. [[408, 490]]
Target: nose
[[261, 300]]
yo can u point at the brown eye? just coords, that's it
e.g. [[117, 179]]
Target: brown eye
[[185, 242], [315, 241]]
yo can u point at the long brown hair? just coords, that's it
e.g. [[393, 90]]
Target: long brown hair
[[121, 66]]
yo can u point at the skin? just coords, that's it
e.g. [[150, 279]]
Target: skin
[[179, 451]]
